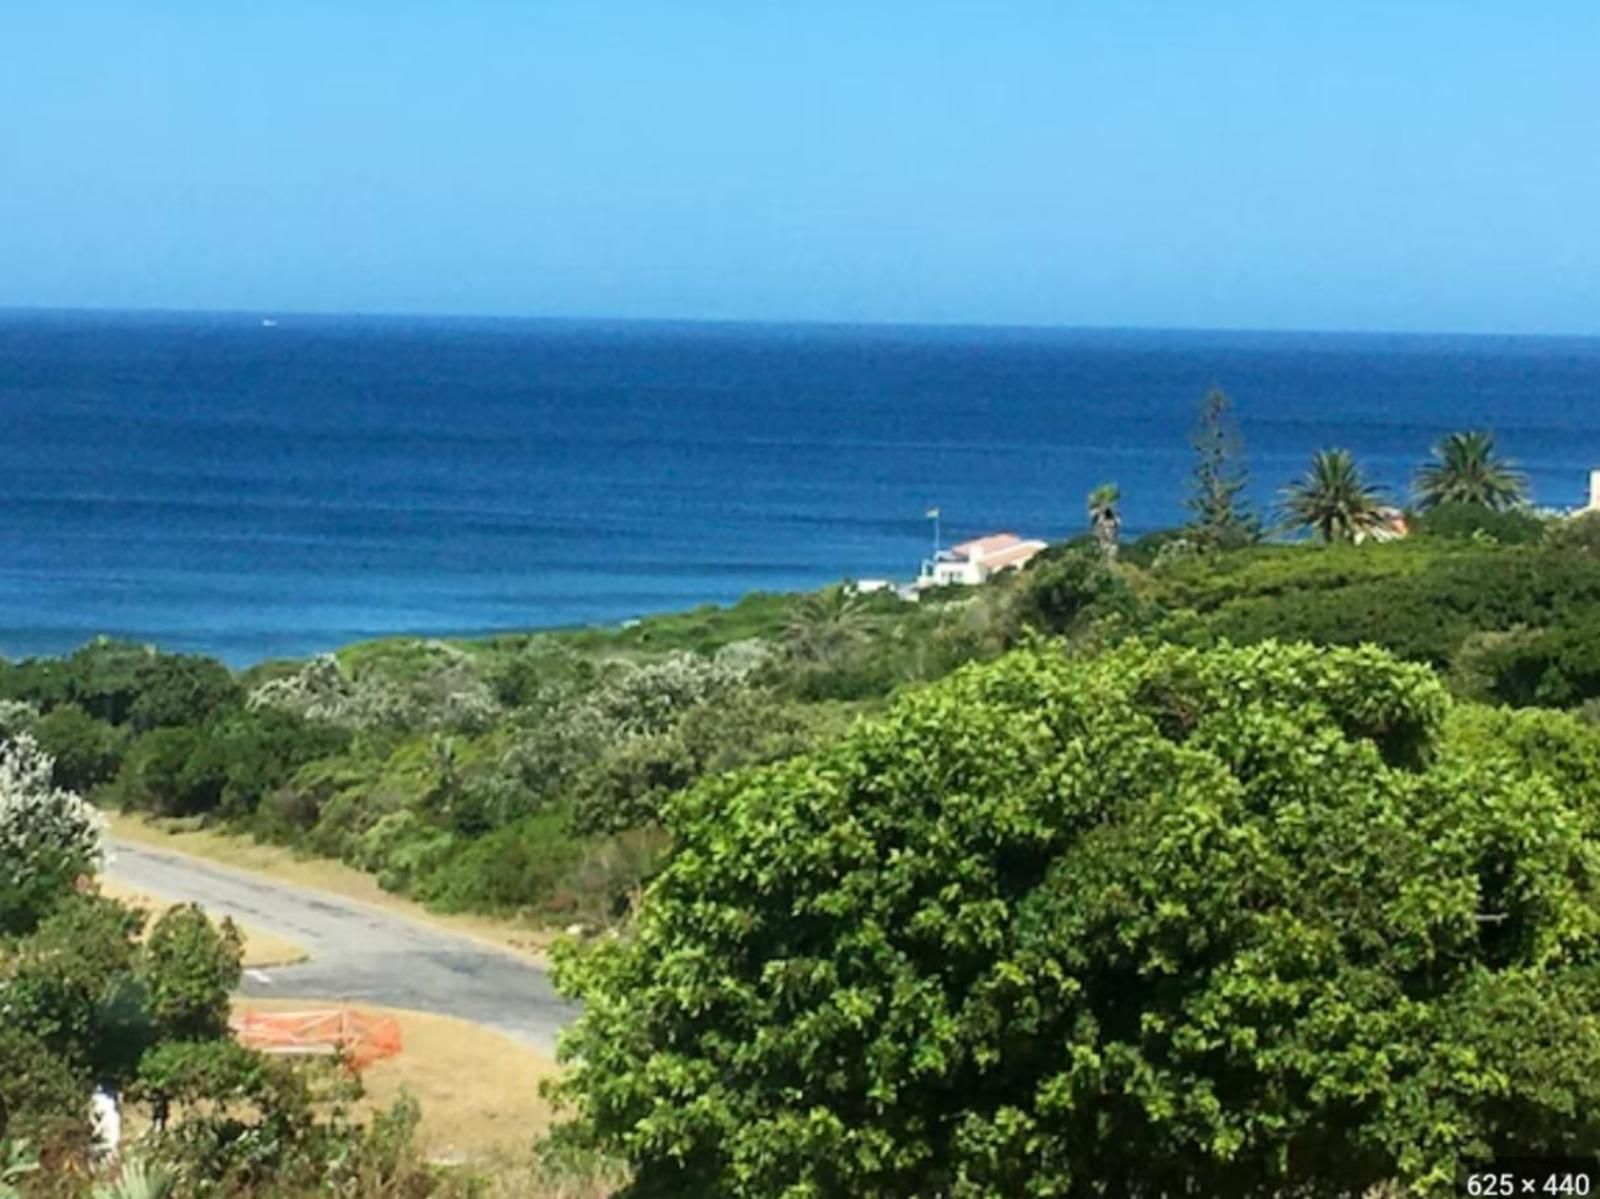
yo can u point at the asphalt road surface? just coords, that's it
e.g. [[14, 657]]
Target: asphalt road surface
[[359, 953]]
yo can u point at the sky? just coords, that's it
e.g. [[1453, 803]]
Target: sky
[[1226, 164]]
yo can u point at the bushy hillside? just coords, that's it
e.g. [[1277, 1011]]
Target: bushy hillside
[[526, 774]]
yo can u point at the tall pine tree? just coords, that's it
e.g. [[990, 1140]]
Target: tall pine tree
[[1221, 512]]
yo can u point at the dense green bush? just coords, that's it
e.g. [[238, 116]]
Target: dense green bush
[[41, 1099], [172, 772], [1246, 921], [1513, 526], [179, 690], [1420, 601], [1557, 666], [189, 969], [86, 751], [512, 868], [1065, 590], [71, 984]]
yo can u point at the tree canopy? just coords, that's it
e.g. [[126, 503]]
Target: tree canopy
[[1333, 499], [1219, 508], [1466, 470], [1164, 921]]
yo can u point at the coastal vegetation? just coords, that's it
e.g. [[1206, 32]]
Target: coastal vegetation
[[1240, 921], [1333, 500], [1200, 860], [1466, 470]]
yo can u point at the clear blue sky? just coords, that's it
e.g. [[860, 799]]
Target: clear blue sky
[[1365, 165]]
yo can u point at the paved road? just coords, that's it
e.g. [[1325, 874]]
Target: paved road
[[359, 953]]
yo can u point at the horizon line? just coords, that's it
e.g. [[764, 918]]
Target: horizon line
[[323, 314]]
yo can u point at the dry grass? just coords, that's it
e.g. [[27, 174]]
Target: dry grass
[[261, 949], [245, 853], [479, 1090]]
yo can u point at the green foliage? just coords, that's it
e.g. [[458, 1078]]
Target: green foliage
[[177, 690], [703, 630], [1466, 470], [172, 772], [42, 1099], [1248, 922], [1578, 534], [67, 984], [1105, 518], [104, 678], [541, 676], [1455, 518], [1221, 518], [86, 751], [1429, 600], [190, 967], [629, 781], [826, 626], [1333, 500], [1062, 592], [1557, 666], [516, 867]]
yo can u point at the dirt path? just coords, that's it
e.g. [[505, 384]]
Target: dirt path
[[359, 953]]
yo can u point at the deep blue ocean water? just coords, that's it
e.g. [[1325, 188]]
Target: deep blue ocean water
[[215, 483]]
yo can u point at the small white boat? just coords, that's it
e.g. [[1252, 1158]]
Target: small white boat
[[268, 323]]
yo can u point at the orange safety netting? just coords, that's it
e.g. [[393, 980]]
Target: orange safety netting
[[357, 1038]]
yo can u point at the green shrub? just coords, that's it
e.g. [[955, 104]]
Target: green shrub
[[1060, 594], [1554, 667], [189, 969], [1454, 519], [87, 751], [172, 772], [628, 783], [1244, 922], [512, 868], [66, 985], [1419, 602], [400, 848], [41, 1099], [178, 690]]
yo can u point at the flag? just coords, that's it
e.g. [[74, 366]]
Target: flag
[[933, 514]]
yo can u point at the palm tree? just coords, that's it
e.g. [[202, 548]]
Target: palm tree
[[824, 626], [1104, 519], [1333, 499], [1466, 470]]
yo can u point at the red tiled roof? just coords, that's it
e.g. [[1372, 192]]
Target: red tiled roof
[[984, 547]]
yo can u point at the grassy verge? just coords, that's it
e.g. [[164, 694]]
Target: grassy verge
[[479, 1090], [323, 874], [261, 949]]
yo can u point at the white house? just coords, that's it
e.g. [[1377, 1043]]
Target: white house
[[972, 562]]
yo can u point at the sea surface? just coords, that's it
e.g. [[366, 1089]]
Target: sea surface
[[254, 486]]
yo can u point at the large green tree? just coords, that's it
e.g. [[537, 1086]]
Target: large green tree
[[1239, 922], [1466, 469], [825, 626], [1220, 512], [1333, 499]]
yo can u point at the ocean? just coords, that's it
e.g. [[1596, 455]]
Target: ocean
[[255, 487]]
